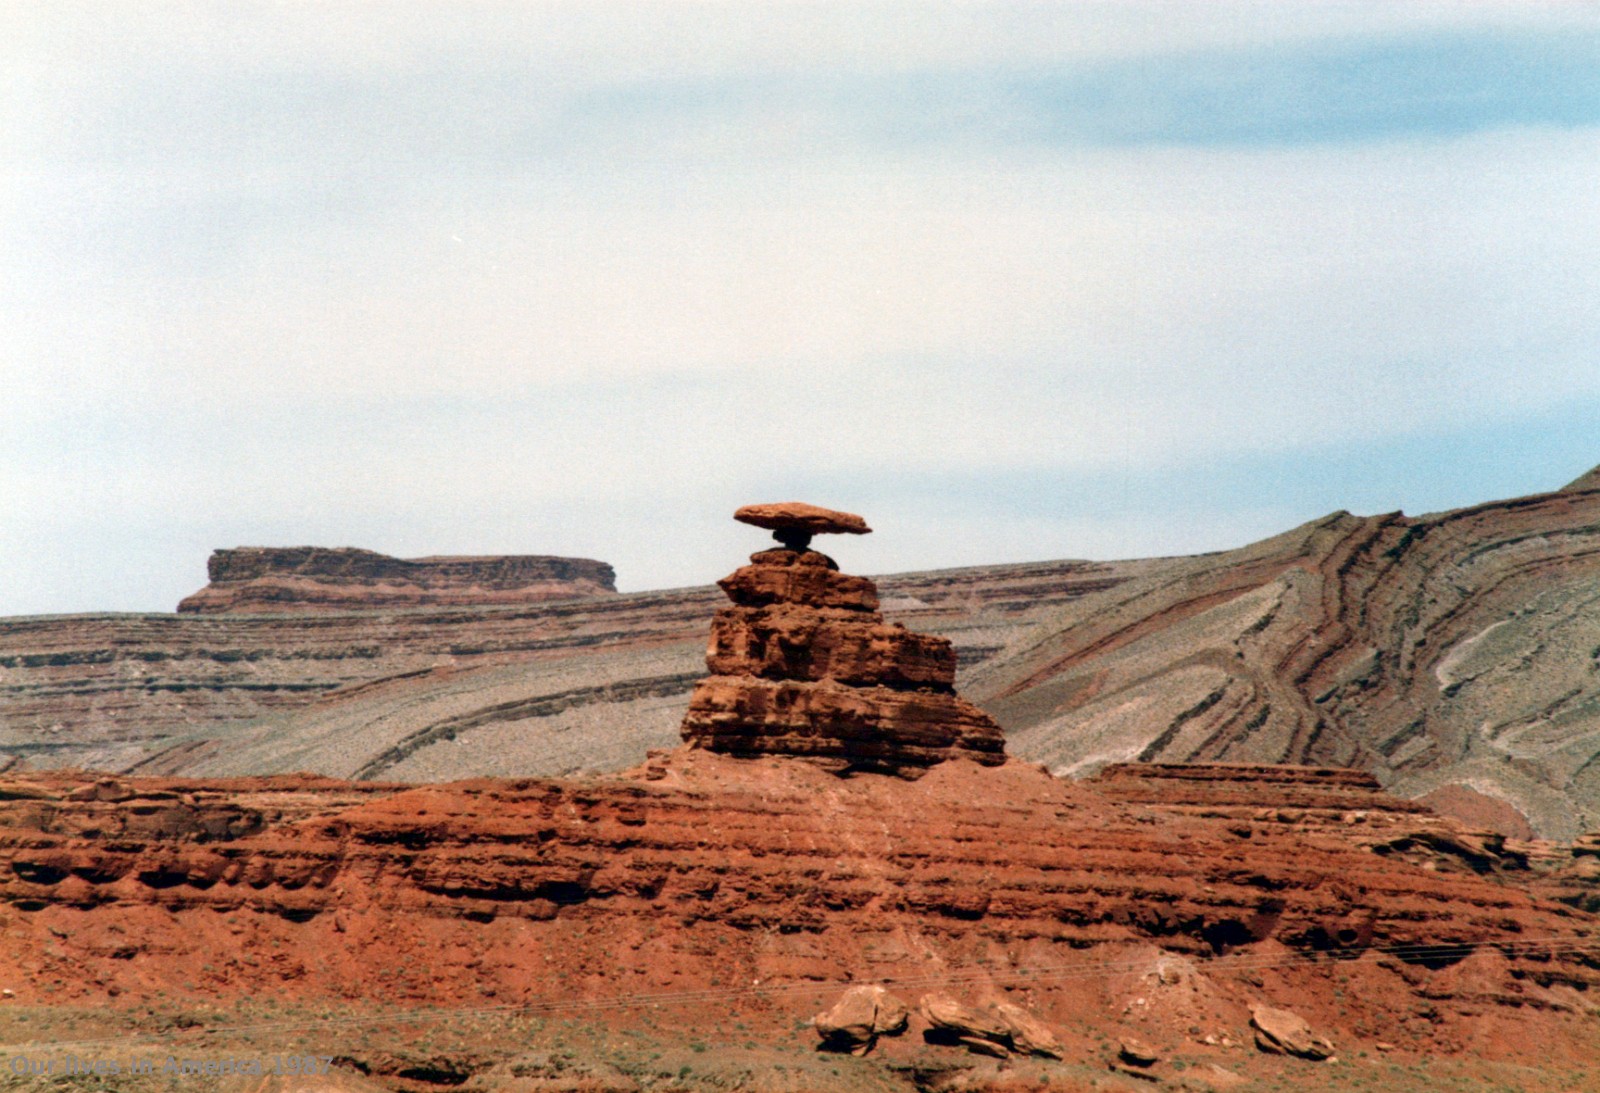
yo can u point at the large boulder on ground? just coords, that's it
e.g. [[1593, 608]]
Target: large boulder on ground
[[1029, 1035], [859, 1017], [1280, 1032], [999, 1029]]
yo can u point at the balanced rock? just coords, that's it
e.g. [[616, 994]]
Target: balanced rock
[[803, 664], [799, 516], [793, 523]]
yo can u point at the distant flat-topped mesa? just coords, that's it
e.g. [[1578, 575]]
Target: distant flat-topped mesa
[[276, 579], [803, 664]]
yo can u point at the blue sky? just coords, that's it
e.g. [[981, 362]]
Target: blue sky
[[1016, 281]]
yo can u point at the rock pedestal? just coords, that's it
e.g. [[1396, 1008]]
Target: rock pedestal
[[803, 664]]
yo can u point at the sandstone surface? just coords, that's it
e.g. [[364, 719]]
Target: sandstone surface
[[859, 1017], [758, 890], [277, 579], [799, 516], [803, 665], [1287, 1033]]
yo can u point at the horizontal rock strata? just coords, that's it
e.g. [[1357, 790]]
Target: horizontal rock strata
[[110, 690], [702, 869], [804, 665], [268, 579]]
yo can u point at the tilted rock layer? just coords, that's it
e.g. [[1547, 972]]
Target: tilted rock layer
[[423, 694], [1460, 649], [268, 579], [803, 664], [1452, 656]]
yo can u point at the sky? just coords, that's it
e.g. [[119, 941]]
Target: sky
[[1016, 281]]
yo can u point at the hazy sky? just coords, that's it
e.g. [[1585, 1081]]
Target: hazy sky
[[1015, 281]]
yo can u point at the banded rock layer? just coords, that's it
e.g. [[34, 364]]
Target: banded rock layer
[[1455, 650], [1452, 656], [804, 665], [700, 869], [275, 579], [544, 688]]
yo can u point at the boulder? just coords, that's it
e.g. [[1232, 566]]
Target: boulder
[[1000, 1029], [859, 1017], [1029, 1035], [1137, 1052], [950, 1022], [1280, 1032], [799, 516]]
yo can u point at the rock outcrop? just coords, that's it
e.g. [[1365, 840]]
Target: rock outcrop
[[757, 890], [273, 579], [541, 688], [1451, 656], [998, 1029], [803, 664]]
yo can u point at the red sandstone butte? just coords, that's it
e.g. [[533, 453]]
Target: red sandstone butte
[[803, 664]]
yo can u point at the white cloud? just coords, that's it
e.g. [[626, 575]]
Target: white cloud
[[586, 41], [1075, 293]]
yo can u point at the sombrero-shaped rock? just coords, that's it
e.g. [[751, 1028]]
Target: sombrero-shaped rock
[[799, 516]]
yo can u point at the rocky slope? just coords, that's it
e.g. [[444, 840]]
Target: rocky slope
[[537, 689], [1455, 650], [840, 827], [256, 579], [1455, 656], [757, 889]]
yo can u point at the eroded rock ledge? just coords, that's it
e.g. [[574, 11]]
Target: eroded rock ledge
[[803, 664], [273, 579]]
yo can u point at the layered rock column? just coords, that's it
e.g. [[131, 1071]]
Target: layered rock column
[[803, 664]]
